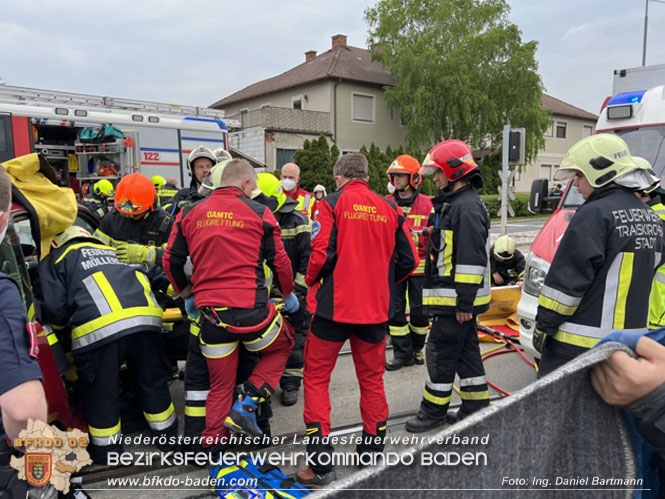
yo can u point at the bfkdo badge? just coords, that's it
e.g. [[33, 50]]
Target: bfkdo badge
[[38, 468]]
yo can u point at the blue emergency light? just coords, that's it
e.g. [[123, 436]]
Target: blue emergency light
[[633, 97]]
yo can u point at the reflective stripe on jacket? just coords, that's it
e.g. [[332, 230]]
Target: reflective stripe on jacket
[[417, 210]]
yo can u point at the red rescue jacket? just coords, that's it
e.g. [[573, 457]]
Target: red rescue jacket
[[363, 248], [417, 210], [228, 237]]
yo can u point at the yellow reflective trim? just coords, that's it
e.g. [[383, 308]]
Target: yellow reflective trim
[[468, 278], [555, 306], [311, 431], [576, 339], [52, 339], [448, 252], [195, 412], [625, 277], [107, 319], [194, 328], [107, 291], [226, 471], [383, 427], [436, 400], [104, 432], [485, 394], [147, 291], [451, 301], [160, 416], [399, 330], [82, 245]]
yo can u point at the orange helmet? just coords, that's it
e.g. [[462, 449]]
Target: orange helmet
[[134, 194], [407, 165], [453, 157]]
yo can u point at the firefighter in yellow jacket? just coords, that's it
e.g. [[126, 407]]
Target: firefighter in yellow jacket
[[114, 318]]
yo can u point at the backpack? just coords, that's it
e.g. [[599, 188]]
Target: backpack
[[104, 133], [255, 481]]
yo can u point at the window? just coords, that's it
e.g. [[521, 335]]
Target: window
[[550, 130], [561, 129], [296, 102], [587, 131], [243, 117], [546, 171], [283, 156], [363, 108]]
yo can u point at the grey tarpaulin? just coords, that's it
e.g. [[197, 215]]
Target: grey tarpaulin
[[555, 427]]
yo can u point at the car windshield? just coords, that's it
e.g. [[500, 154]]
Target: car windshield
[[647, 142], [573, 199]]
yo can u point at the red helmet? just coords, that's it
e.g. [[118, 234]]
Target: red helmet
[[407, 165], [453, 157], [134, 194]]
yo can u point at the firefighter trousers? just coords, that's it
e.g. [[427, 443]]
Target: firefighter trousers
[[99, 376], [220, 348], [292, 376], [408, 337], [368, 349], [555, 354], [453, 349]]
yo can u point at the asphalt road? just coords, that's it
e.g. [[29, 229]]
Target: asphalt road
[[519, 226]]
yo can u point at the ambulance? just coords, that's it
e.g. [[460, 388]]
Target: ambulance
[[636, 112]]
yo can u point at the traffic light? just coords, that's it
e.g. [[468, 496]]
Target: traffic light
[[517, 146]]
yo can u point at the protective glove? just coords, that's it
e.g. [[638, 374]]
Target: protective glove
[[538, 340], [136, 253], [190, 307], [291, 303]]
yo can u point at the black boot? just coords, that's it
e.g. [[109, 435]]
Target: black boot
[[454, 416], [397, 363], [289, 395], [422, 422]]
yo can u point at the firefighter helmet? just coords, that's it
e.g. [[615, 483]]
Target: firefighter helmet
[[222, 154], [407, 165], [200, 152], [271, 187], [214, 178], [158, 181], [320, 188], [73, 232], [453, 157], [504, 248], [601, 158], [103, 187], [135, 194]]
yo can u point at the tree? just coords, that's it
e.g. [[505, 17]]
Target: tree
[[462, 70], [316, 160]]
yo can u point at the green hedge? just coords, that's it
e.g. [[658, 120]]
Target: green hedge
[[520, 205]]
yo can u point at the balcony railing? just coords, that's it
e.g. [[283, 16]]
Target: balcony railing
[[285, 119]]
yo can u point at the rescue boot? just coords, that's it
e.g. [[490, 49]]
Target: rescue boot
[[418, 358], [242, 418], [289, 395], [454, 416], [312, 480], [422, 422], [396, 363]]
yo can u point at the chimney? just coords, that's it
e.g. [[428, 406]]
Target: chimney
[[338, 41], [309, 55]]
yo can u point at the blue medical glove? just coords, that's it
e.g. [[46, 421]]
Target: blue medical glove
[[190, 307], [291, 303]]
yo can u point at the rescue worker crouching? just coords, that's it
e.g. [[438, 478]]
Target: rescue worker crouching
[[351, 287], [614, 243], [199, 163], [229, 289], [114, 318], [136, 229], [506, 262], [296, 235], [100, 197], [456, 288], [408, 336], [166, 188]]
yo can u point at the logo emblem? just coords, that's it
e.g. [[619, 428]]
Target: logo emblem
[[38, 468], [316, 228]]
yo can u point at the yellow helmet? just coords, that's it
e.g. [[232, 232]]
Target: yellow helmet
[[214, 178], [103, 187], [601, 158], [504, 248], [158, 181], [73, 232], [271, 187]]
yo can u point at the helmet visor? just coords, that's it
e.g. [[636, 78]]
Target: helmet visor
[[206, 186], [564, 175], [128, 208], [430, 170]]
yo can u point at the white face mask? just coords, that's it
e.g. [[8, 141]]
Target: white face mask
[[391, 188], [288, 184]]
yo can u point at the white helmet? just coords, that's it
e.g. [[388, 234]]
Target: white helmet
[[222, 154], [200, 152]]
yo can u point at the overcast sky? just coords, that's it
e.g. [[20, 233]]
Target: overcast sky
[[199, 51]]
